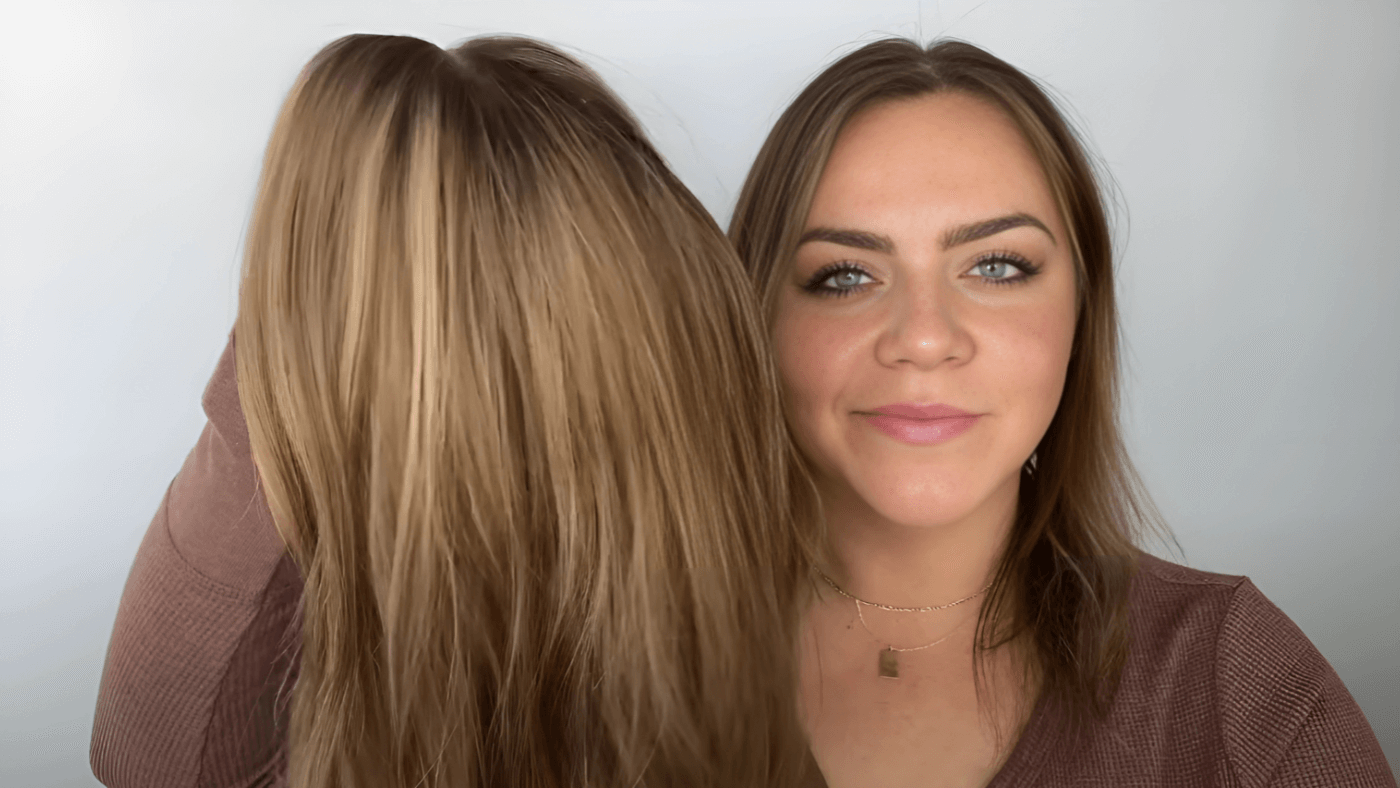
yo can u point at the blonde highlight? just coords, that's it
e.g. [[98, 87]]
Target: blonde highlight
[[491, 353]]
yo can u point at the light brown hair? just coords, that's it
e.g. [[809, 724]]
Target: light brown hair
[[1061, 586], [509, 396]]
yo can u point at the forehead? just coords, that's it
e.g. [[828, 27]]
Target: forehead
[[942, 158]]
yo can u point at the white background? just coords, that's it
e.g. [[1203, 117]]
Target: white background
[[1254, 145]]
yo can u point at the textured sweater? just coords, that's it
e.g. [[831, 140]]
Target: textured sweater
[[1220, 687]]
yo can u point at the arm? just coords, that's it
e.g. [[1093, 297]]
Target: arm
[[197, 674], [1287, 719], [1333, 746]]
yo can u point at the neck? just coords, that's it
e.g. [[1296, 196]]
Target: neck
[[922, 564]]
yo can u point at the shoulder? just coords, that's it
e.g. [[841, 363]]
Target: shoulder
[[1250, 637], [1216, 651], [1250, 641], [220, 400], [218, 517], [1219, 688], [1158, 580], [1176, 612], [1158, 574]]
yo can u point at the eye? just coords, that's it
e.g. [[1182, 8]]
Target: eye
[[1004, 268], [838, 279]]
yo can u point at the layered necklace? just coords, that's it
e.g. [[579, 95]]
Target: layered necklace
[[889, 655]]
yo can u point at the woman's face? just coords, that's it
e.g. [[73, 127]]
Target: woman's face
[[935, 271]]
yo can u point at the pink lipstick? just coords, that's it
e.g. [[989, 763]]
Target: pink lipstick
[[922, 425]]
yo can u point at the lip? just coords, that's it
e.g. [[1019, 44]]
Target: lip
[[914, 410], [921, 424]]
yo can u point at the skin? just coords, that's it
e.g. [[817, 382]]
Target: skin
[[920, 320]]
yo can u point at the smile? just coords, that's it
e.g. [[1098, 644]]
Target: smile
[[921, 425]]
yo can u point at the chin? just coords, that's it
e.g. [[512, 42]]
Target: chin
[[922, 513], [920, 498]]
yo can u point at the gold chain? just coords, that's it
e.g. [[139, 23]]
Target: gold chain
[[892, 608]]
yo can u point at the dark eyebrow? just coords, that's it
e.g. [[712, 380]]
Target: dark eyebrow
[[967, 233], [976, 231], [852, 238]]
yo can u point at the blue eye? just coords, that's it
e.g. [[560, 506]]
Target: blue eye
[[995, 269], [844, 280], [839, 279], [1003, 268]]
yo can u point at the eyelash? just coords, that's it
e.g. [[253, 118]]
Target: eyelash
[[1026, 267], [814, 284]]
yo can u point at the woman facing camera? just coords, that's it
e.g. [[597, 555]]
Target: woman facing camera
[[487, 358], [932, 250]]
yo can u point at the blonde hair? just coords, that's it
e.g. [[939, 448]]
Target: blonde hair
[[508, 394], [1062, 583]]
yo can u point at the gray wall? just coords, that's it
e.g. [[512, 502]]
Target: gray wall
[[1259, 279]]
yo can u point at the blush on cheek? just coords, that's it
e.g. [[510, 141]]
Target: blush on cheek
[[809, 367], [802, 356]]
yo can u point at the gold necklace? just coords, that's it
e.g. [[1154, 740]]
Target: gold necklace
[[889, 659]]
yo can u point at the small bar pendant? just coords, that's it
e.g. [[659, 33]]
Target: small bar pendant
[[889, 664]]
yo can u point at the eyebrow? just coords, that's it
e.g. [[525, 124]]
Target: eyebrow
[[856, 239], [962, 234], [976, 231]]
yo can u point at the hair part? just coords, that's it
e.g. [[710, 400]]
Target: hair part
[[490, 352], [1060, 589]]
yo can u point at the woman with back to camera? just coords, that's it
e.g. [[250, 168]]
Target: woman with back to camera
[[932, 251], [487, 348]]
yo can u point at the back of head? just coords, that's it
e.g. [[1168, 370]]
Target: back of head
[[508, 394]]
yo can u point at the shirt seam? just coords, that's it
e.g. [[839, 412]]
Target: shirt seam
[[1230, 759], [262, 601], [188, 569], [1229, 581]]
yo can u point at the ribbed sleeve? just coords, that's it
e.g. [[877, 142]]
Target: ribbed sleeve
[[245, 744], [1287, 721], [198, 668]]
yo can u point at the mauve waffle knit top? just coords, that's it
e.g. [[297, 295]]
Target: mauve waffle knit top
[[1220, 687]]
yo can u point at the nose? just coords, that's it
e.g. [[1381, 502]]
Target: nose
[[922, 331]]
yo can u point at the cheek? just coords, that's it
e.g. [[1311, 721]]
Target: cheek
[[1032, 356], [801, 362], [814, 357]]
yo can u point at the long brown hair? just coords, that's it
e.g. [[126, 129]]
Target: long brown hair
[[1061, 585], [509, 396]]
